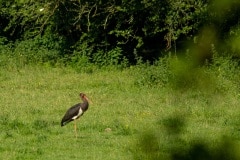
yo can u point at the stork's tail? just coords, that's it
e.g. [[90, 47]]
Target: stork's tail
[[63, 123]]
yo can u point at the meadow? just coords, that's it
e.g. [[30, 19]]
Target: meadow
[[162, 111]]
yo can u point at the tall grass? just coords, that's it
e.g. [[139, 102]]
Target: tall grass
[[140, 112]]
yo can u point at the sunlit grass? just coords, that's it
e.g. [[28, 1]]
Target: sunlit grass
[[34, 99]]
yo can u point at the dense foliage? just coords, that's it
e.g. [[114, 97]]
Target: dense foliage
[[112, 31]]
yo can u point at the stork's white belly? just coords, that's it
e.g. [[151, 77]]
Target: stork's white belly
[[80, 112]]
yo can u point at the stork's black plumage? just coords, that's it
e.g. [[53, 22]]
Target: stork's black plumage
[[75, 111]]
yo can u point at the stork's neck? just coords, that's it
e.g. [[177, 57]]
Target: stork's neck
[[85, 100], [84, 104]]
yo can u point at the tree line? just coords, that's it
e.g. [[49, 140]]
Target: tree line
[[117, 29]]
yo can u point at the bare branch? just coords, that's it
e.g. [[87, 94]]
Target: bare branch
[[45, 22]]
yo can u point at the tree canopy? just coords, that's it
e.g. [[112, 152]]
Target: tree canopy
[[114, 28]]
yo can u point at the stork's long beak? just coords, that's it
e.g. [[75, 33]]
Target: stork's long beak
[[88, 99]]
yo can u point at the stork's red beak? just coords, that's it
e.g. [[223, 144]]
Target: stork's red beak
[[88, 99]]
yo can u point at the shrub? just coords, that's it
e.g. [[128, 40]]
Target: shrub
[[156, 75], [112, 57]]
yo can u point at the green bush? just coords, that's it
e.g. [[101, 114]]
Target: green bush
[[226, 70], [154, 75], [110, 58]]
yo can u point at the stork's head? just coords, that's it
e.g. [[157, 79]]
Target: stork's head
[[83, 96]]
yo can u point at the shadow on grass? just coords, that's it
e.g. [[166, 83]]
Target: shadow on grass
[[200, 150], [168, 144]]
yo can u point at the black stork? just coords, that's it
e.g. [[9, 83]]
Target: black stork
[[75, 112]]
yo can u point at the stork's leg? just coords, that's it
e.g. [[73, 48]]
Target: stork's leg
[[75, 127]]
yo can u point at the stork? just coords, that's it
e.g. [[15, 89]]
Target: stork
[[75, 112]]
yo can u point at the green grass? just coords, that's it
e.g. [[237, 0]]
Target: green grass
[[146, 121]]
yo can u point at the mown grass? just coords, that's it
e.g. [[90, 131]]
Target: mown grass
[[149, 117]]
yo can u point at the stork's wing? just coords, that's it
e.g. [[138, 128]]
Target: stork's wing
[[71, 112]]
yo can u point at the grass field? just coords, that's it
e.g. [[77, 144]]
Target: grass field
[[147, 122]]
